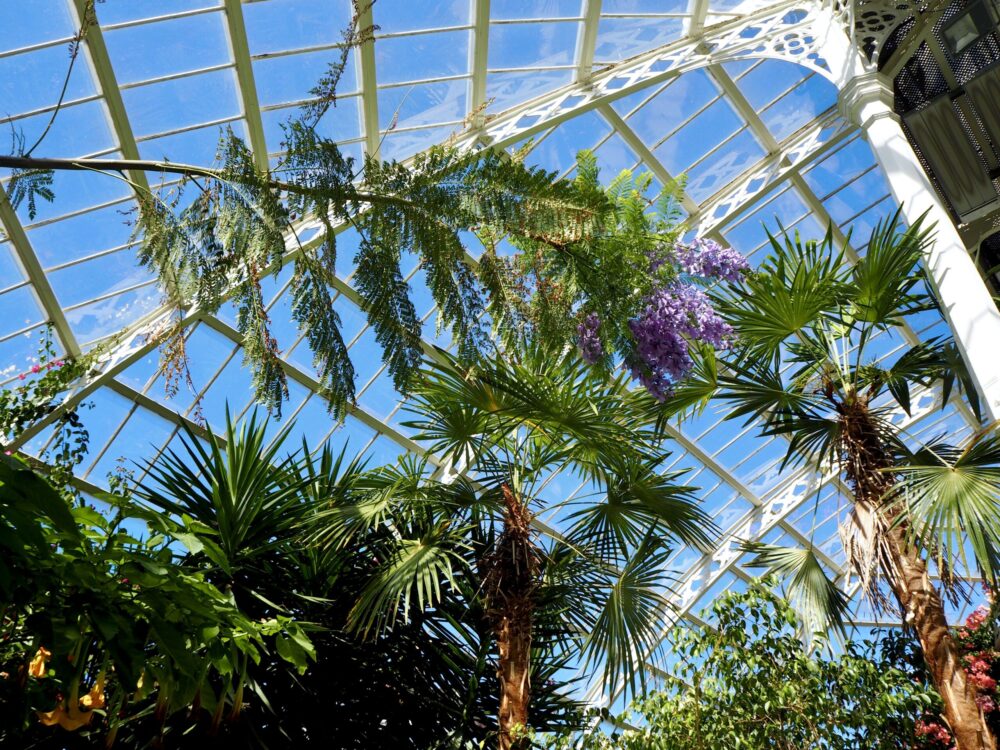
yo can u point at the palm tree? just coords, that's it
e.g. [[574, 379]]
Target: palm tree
[[593, 586], [247, 505], [807, 322]]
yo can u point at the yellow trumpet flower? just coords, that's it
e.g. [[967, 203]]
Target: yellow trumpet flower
[[74, 717], [37, 666]]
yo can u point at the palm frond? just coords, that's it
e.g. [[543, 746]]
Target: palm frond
[[884, 281], [412, 579], [821, 604], [863, 535], [799, 283], [625, 613], [951, 498], [639, 503]]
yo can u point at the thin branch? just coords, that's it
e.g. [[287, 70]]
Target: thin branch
[[88, 20]]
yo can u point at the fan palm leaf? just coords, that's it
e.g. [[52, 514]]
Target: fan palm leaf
[[951, 497], [817, 598]]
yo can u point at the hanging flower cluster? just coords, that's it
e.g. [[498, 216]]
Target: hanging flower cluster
[[674, 314], [710, 260], [591, 347]]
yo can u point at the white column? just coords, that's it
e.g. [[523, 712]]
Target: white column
[[866, 99]]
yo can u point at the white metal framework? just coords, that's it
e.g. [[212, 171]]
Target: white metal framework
[[768, 108]]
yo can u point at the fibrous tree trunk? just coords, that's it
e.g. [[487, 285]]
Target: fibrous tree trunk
[[510, 580], [888, 547]]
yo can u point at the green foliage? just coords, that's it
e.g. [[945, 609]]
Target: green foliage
[[36, 395], [115, 629], [749, 683], [809, 310], [513, 422], [28, 186], [822, 605], [312, 538]]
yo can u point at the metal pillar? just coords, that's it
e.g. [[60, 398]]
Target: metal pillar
[[866, 100]]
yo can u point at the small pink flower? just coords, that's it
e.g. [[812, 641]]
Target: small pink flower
[[982, 681], [977, 618], [36, 369], [21, 376], [986, 703], [933, 730], [978, 665]]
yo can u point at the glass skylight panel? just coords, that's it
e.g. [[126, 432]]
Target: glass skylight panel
[[193, 146], [677, 102], [755, 464], [619, 38], [613, 156], [647, 7], [213, 352], [10, 269], [31, 81], [230, 387], [95, 278], [417, 57], [141, 436], [401, 144], [746, 235], [280, 25], [765, 80], [184, 102], [864, 222], [110, 315], [379, 397], [79, 129], [735, 157], [73, 238], [74, 191], [558, 149], [422, 104], [538, 44], [698, 137], [508, 89], [857, 195], [799, 106], [510, 9], [106, 411], [845, 163], [122, 11], [341, 123], [423, 15], [19, 309], [31, 22], [167, 47], [287, 79]]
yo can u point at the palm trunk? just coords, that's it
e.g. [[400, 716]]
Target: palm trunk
[[866, 458], [510, 578]]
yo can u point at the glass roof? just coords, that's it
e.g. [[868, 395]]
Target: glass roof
[[757, 139]]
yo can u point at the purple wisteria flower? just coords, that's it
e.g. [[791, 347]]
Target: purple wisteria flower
[[709, 259], [671, 317], [591, 348]]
